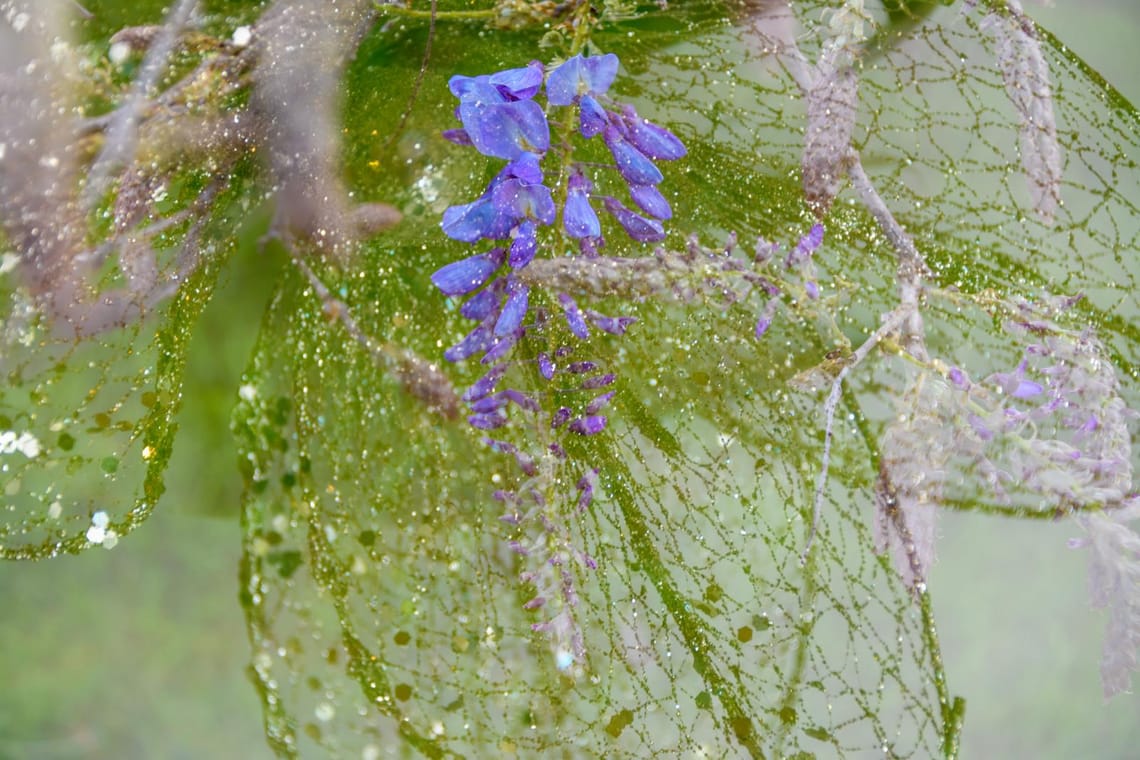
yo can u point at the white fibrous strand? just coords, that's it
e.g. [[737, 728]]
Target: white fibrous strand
[[832, 100], [915, 451], [1114, 582], [1026, 77]]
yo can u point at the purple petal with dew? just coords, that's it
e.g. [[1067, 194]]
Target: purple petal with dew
[[473, 221], [600, 402], [592, 117], [767, 314], [574, 316], [636, 226], [526, 464], [650, 200], [560, 418], [457, 136], [524, 245], [591, 424], [507, 497], [562, 86], [958, 378], [505, 130], [485, 385], [535, 603], [585, 488], [474, 342], [514, 308], [579, 368], [526, 167], [521, 83], [545, 366], [557, 450], [500, 346], [563, 351], [633, 165], [475, 88], [601, 381], [612, 325], [518, 199], [980, 427], [765, 251], [812, 289], [653, 140], [578, 76], [490, 404], [589, 246], [805, 248], [488, 421], [502, 447], [1027, 389], [520, 399], [1091, 424], [462, 277], [484, 303], [600, 72], [579, 218]]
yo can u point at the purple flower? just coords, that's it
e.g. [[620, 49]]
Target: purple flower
[[637, 226], [521, 200], [514, 308], [579, 217], [500, 346], [486, 384], [601, 381], [600, 402], [497, 114], [525, 244], [560, 418], [511, 84], [650, 200], [650, 139], [766, 316], [574, 316], [457, 136], [475, 341], [489, 420], [484, 303], [585, 488], [545, 366], [579, 81], [474, 221], [588, 425], [806, 247], [579, 76], [633, 165], [464, 276], [612, 325]]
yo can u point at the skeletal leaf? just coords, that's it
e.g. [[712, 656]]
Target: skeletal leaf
[[1026, 77]]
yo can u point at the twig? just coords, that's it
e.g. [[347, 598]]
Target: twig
[[419, 377], [893, 321], [122, 133]]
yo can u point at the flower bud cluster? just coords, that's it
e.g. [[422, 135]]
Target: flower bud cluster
[[515, 332]]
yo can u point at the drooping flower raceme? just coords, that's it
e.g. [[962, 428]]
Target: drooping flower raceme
[[516, 213]]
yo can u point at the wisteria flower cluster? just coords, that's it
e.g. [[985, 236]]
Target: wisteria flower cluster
[[502, 118]]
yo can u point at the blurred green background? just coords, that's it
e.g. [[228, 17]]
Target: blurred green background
[[140, 651]]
